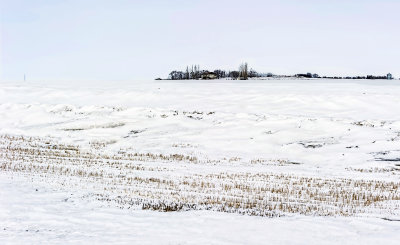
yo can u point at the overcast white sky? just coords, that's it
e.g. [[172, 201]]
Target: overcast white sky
[[128, 40]]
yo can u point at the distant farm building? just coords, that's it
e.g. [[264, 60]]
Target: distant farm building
[[389, 76], [307, 75], [208, 75]]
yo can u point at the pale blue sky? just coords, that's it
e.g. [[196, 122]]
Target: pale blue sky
[[128, 40]]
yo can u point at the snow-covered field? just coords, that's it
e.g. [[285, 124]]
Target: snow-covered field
[[195, 162]]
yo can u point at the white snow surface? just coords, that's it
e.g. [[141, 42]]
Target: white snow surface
[[36, 214], [329, 129]]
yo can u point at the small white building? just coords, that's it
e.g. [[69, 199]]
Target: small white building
[[389, 76]]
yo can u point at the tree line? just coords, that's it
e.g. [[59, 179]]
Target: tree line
[[194, 72]]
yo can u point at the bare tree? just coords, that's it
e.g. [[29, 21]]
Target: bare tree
[[187, 73], [243, 71]]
